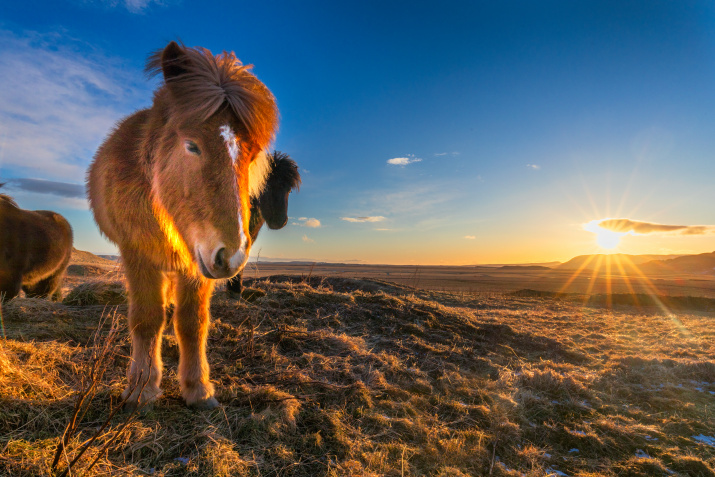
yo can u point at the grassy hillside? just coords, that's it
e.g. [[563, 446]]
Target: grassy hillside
[[616, 263], [355, 377], [701, 263]]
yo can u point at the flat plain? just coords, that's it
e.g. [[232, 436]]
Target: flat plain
[[503, 278]]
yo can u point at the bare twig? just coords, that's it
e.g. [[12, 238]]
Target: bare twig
[[102, 357]]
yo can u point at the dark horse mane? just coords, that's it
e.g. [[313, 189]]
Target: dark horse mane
[[6, 198], [284, 171]]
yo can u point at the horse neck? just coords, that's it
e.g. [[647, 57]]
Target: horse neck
[[256, 222]]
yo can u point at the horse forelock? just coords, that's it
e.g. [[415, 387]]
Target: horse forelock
[[211, 82]]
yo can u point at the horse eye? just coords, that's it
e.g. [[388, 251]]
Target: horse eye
[[192, 148]]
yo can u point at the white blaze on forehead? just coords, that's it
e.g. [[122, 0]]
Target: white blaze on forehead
[[230, 139], [240, 257]]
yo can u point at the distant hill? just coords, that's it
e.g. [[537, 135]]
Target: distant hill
[[617, 263], [524, 267], [84, 264], [701, 263], [80, 257]]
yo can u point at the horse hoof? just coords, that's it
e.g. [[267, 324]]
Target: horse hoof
[[204, 404]]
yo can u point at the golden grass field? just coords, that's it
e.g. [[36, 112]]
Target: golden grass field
[[323, 373]]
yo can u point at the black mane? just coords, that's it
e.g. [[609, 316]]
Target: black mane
[[284, 172]]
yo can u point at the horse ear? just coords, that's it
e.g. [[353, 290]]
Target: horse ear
[[174, 61]]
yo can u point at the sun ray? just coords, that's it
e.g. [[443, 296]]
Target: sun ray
[[609, 285], [575, 274], [593, 280], [653, 292], [627, 279]]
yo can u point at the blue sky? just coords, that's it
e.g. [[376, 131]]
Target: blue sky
[[509, 124]]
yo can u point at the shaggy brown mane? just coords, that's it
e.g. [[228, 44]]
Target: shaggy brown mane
[[6, 198], [209, 82]]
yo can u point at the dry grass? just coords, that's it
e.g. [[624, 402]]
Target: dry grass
[[331, 376]]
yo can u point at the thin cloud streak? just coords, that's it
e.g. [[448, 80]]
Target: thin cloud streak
[[403, 161], [646, 228], [312, 223], [134, 6], [41, 186], [375, 218]]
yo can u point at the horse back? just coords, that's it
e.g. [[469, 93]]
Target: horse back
[[33, 244]]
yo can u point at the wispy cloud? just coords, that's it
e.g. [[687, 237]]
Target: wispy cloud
[[470, 237], [30, 200], [134, 6], [41, 186], [375, 218], [403, 161], [58, 101], [646, 228], [535, 167], [308, 222], [454, 153], [307, 239]]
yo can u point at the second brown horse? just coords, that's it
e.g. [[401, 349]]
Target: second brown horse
[[171, 186]]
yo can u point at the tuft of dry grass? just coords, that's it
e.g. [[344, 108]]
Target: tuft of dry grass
[[334, 376], [97, 293]]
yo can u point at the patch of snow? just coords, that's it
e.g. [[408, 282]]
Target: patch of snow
[[574, 450], [642, 454], [579, 433], [649, 438], [551, 472], [703, 439], [183, 460]]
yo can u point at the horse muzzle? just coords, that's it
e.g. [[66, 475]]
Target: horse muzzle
[[220, 264]]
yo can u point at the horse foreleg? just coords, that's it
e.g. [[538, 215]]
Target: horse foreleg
[[191, 326], [10, 286], [146, 287]]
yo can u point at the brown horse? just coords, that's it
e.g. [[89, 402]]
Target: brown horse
[[171, 186], [35, 247], [271, 207]]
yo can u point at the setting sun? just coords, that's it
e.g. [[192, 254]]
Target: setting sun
[[606, 239]]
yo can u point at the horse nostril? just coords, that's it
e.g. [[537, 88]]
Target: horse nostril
[[220, 262]]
